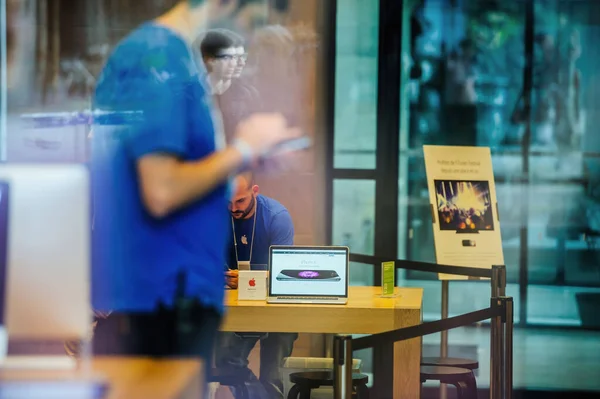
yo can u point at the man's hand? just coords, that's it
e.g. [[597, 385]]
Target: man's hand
[[263, 131], [231, 279]]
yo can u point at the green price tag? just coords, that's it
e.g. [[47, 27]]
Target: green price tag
[[388, 277]]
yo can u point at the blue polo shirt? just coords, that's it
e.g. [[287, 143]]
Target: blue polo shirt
[[151, 98], [274, 226]]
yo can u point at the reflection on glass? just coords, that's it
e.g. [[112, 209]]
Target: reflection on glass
[[353, 215], [361, 274], [356, 84], [470, 91], [464, 296]]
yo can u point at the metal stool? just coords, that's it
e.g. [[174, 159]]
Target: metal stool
[[307, 381], [462, 379], [232, 379]]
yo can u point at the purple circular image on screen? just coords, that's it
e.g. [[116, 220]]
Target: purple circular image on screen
[[308, 274]]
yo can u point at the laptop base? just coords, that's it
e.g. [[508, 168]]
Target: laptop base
[[309, 301]]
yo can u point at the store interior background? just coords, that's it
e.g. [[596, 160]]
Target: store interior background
[[340, 191], [548, 214]]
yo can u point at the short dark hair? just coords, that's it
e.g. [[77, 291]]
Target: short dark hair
[[216, 40], [249, 177], [238, 40]]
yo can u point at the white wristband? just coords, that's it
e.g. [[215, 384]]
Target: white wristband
[[244, 149]]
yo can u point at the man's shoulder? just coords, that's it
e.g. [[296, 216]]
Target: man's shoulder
[[148, 37], [277, 220], [271, 206], [148, 49], [148, 62]]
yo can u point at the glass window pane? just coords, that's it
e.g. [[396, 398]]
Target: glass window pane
[[361, 274], [356, 84], [354, 215], [562, 220], [563, 255], [458, 93]]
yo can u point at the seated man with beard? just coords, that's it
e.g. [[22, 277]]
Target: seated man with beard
[[257, 223]]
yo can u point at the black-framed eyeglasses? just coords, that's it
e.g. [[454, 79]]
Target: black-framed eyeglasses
[[230, 57]]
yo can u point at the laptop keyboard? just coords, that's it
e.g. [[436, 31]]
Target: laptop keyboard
[[309, 298]]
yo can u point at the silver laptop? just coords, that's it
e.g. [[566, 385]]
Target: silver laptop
[[301, 274]]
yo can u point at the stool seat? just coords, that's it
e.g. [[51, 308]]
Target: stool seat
[[304, 382], [450, 362], [462, 378], [437, 372], [324, 378]]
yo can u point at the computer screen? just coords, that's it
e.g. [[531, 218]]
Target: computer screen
[[3, 245], [47, 294], [308, 271]]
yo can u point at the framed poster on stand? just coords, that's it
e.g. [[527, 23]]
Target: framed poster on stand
[[464, 214], [464, 209]]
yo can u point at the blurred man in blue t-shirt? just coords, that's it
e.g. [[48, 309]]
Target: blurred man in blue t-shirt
[[159, 179]]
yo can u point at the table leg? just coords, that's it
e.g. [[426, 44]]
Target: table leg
[[406, 368], [328, 344], [383, 371]]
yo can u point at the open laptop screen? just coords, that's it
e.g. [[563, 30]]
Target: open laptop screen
[[3, 245], [308, 271]]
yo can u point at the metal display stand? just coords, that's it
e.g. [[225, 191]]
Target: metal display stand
[[444, 334]]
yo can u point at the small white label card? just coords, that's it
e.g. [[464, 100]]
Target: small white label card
[[252, 285]]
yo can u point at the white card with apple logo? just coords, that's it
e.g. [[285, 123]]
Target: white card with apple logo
[[252, 285]]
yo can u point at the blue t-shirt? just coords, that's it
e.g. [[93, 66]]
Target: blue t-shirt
[[151, 98], [273, 227]]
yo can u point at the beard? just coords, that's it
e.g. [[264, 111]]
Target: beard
[[240, 215]]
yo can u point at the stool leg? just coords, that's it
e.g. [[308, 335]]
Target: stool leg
[[362, 392], [294, 392], [461, 390], [305, 393], [472, 386]]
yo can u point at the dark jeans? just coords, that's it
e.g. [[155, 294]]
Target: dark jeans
[[233, 350], [185, 330]]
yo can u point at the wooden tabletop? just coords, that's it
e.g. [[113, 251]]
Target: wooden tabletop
[[365, 313], [127, 378]]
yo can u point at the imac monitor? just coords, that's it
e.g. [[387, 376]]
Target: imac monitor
[[464, 206], [48, 251], [308, 274]]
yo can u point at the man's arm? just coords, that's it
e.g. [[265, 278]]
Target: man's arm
[[282, 229], [168, 183]]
